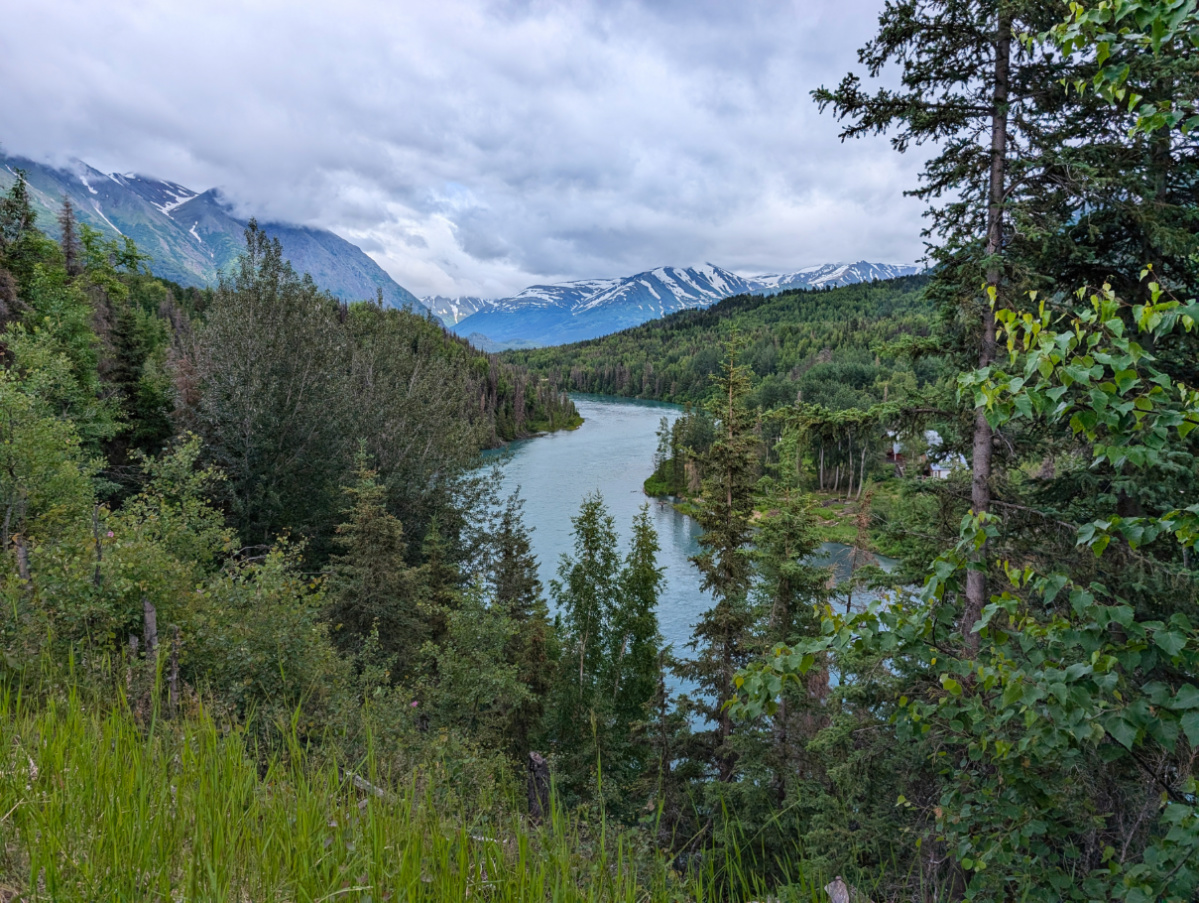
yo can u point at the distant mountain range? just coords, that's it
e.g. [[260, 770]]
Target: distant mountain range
[[193, 237], [574, 311]]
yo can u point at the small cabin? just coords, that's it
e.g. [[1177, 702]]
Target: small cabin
[[933, 463]]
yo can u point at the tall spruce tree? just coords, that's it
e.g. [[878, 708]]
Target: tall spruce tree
[[957, 90], [371, 587], [722, 639], [1034, 185], [531, 647], [790, 594], [68, 240], [587, 595], [634, 640]]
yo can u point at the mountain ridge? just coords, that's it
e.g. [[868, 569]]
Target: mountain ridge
[[194, 237], [567, 312]]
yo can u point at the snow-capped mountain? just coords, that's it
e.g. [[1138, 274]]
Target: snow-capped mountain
[[830, 274], [576, 311], [452, 310], [667, 289], [193, 237]]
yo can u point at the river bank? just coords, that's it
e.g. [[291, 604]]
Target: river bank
[[610, 452]]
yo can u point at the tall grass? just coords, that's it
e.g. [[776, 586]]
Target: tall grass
[[98, 805]]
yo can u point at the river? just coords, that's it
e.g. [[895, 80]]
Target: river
[[613, 452]]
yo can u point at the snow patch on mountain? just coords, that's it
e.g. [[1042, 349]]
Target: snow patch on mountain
[[829, 274], [454, 310]]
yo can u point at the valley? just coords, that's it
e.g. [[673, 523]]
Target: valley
[[848, 582]]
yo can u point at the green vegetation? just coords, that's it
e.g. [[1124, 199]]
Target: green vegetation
[[101, 806], [269, 632], [826, 346]]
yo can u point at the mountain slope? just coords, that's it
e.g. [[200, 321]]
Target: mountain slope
[[830, 274], [193, 237], [576, 311], [452, 310]]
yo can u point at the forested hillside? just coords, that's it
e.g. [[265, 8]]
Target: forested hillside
[[284, 384], [824, 345], [269, 632]]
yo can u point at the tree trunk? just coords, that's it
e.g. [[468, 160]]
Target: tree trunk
[[151, 621], [538, 786], [980, 483], [849, 469], [23, 561]]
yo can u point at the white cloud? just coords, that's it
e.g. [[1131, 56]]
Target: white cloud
[[474, 148]]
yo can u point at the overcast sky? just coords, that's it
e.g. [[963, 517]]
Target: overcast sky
[[477, 147]]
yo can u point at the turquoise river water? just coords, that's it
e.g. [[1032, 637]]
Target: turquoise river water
[[612, 452]]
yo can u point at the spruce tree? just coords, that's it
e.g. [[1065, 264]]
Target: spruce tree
[[19, 236], [1033, 186], [723, 636], [586, 594], [371, 587], [789, 596], [634, 640], [787, 589], [440, 583], [530, 649], [72, 249], [670, 765]]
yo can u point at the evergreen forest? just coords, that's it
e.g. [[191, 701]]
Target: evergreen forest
[[271, 631], [824, 346]]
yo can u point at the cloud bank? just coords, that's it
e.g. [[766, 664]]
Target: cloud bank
[[474, 147]]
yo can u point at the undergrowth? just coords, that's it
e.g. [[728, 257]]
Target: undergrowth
[[99, 803]]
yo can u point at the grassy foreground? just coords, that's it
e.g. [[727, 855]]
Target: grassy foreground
[[97, 806]]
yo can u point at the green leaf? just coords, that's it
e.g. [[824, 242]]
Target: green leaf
[[1125, 380], [1187, 697], [1190, 727], [1122, 732], [1170, 642]]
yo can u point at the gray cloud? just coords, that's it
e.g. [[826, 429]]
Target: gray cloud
[[473, 147]]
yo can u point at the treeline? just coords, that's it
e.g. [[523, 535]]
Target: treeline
[[827, 346]]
